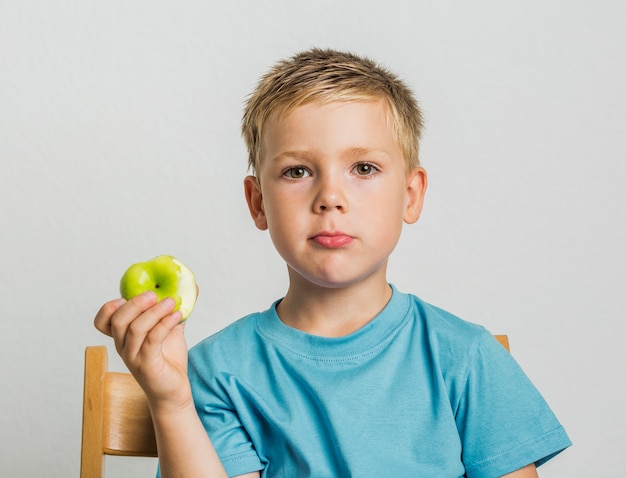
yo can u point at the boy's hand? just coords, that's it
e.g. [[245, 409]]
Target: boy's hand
[[150, 340]]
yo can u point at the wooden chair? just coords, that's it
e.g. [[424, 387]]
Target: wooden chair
[[504, 340], [116, 417]]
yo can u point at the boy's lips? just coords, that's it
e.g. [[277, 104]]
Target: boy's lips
[[332, 239]]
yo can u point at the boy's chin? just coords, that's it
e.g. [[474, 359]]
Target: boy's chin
[[337, 282]]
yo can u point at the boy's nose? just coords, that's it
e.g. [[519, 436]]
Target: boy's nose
[[323, 207], [330, 196]]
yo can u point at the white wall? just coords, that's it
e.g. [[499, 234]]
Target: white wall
[[119, 140]]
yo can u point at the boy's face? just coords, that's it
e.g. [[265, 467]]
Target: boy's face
[[333, 189]]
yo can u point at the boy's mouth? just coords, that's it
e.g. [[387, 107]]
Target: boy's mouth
[[332, 239]]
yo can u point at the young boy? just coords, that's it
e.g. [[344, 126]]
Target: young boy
[[345, 376]]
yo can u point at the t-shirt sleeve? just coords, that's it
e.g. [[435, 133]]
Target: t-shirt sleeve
[[504, 422], [220, 420]]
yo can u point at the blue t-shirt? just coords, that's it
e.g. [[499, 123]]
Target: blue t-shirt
[[415, 392]]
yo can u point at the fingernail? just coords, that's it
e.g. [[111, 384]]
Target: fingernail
[[169, 302], [178, 315], [119, 302], [149, 295]]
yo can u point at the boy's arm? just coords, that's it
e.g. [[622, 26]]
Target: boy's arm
[[184, 446], [185, 449], [150, 340], [527, 472]]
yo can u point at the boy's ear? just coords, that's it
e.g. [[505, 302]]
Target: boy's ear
[[416, 183], [254, 198]]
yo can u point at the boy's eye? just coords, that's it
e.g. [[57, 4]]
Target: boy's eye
[[296, 173], [365, 169]]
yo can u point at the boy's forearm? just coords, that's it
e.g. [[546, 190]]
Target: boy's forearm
[[184, 447]]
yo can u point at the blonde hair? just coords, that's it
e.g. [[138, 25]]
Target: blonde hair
[[324, 75]]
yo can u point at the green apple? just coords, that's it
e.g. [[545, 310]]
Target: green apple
[[167, 277]]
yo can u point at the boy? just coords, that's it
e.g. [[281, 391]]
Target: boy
[[344, 376]]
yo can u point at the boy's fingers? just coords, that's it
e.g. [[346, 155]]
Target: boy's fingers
[[115, 314], [133, 334], [102, 321], [153, 342], [129, 312]]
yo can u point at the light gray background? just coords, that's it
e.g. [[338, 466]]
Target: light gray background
[[119, 140]]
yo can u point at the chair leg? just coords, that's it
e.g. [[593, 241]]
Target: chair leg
[[92, 457]]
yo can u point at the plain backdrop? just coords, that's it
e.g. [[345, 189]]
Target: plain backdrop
[[119, 141]]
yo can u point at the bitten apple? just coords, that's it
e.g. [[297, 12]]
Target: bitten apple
[[166, 276]]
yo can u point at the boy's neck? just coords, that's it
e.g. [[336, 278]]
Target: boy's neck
[[332, 312]]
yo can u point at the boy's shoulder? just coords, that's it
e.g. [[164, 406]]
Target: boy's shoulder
[[442, 325], [241, 333]]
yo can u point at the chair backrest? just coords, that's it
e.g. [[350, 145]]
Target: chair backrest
[[116, 416], [504, 340]]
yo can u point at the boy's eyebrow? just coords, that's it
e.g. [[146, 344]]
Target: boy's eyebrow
[[297, 154], [358, 152]]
